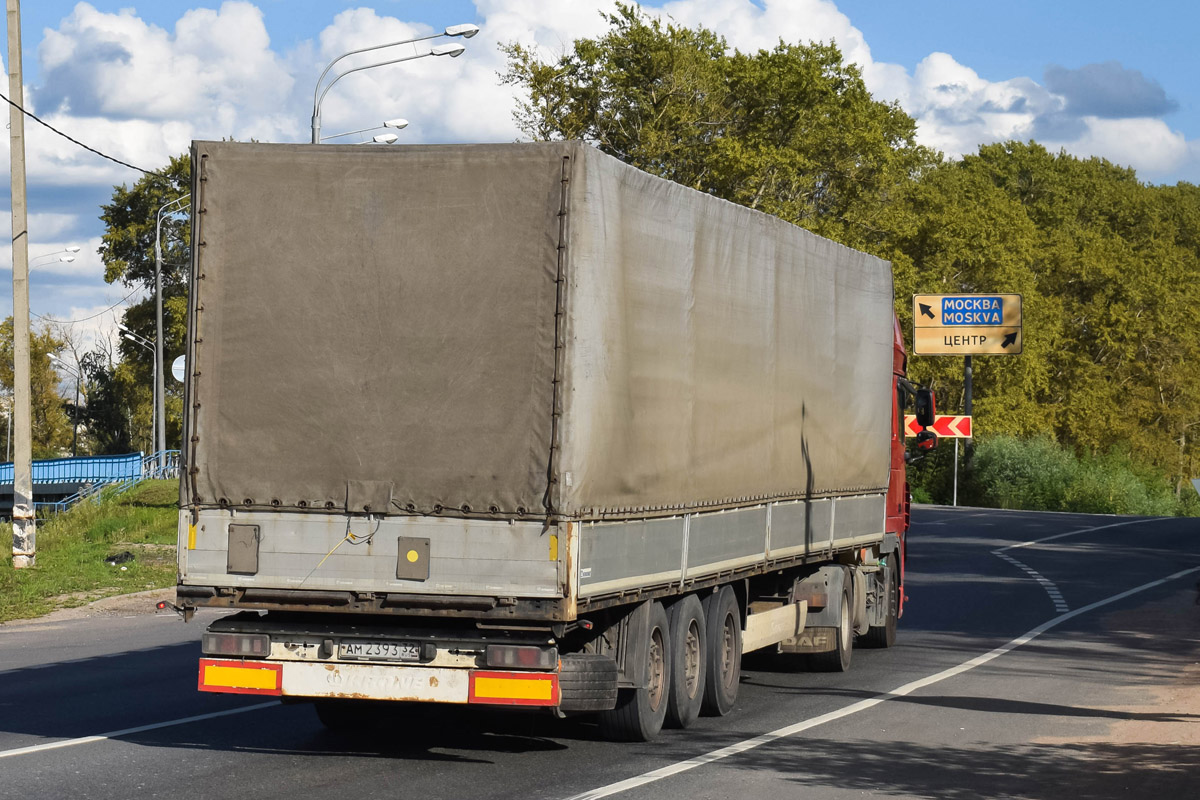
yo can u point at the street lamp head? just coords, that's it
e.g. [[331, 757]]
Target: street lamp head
[[466, 31], [398, 124], [453, 50], [66, 259], [72, 248], [384, 138]]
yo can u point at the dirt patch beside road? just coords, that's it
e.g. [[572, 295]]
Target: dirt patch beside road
[[1168, 711], [125, 605]]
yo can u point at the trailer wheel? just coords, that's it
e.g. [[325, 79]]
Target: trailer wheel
[[885, 635], [724, 633], [838, 659], [639, 713], [689, 662], [587, 682]]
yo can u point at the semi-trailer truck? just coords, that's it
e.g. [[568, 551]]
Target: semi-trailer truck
[[520, 424]]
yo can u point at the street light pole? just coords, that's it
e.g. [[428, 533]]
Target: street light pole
[[148, 345], [398, 124], [75, 408], [452, 50], [465, 31], [160, 437], [24, 545]]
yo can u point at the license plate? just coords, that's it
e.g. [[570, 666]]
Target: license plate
[[383, 651]]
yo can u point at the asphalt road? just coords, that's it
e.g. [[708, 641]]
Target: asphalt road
[[1012, 660]]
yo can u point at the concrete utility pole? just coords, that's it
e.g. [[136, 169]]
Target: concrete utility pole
[[24, 523]]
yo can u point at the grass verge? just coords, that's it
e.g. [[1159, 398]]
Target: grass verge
[[72, 548]]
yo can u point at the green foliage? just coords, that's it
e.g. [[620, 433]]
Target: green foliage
[[72, 546], [1110, 273], [121, 418], [921, 495], [1014, 473], [1040, 474], [791, 131], [51, 424]]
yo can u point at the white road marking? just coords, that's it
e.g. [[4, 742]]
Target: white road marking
[[1056, 597], [863, 705], [37, 748], [1000, 550], [1060, 605]]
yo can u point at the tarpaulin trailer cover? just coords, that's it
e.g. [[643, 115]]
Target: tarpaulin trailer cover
[[518, 330]]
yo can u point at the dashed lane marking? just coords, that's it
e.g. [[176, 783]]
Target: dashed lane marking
[[1060, 605]]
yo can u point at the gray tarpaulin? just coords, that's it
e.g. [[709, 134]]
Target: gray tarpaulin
[[378, 324], [717, 354], [375, 316]]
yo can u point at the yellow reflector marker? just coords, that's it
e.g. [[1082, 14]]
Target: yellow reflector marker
[[553, 547], [240, 677], [412, 556], [191, 537], [514, 689]]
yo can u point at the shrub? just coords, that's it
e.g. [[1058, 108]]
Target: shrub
[[1013, 473]]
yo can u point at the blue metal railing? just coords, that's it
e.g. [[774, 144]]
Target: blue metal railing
[[85, 469], [98, 474]]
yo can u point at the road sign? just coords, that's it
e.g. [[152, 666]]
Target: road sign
[[947, 426], [177, 368], [967, 324]]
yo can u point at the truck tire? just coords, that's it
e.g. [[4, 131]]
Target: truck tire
[[639, 713], [724, 633], [689, 661], [885, 635], [587, 682], [838, 659]]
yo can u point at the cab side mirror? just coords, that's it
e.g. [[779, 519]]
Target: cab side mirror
[[926, 407]]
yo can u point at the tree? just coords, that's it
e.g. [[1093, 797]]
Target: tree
[[791, 131], [127, 249], [1110, 273], [51, 425]]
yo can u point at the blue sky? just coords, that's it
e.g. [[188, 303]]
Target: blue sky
[[141, 78]]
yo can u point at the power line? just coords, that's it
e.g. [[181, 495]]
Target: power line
[[85, 319], [75, 141]]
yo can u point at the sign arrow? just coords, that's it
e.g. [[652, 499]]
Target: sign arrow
[[1010, 339], [927, 310]]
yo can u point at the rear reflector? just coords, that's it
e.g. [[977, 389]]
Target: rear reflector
[[240, 677], [514, 688]]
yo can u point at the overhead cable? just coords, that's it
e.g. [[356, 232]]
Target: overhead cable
[[75, 141]]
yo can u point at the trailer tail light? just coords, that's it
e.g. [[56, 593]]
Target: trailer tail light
[[504, 656], [243, 645], [514, 688], [239, 677]]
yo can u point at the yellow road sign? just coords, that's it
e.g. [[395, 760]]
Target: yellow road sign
[[967, 324], [967, 341]]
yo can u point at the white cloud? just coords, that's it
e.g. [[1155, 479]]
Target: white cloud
[[749, 27], [117, 65], [1148, 145]]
